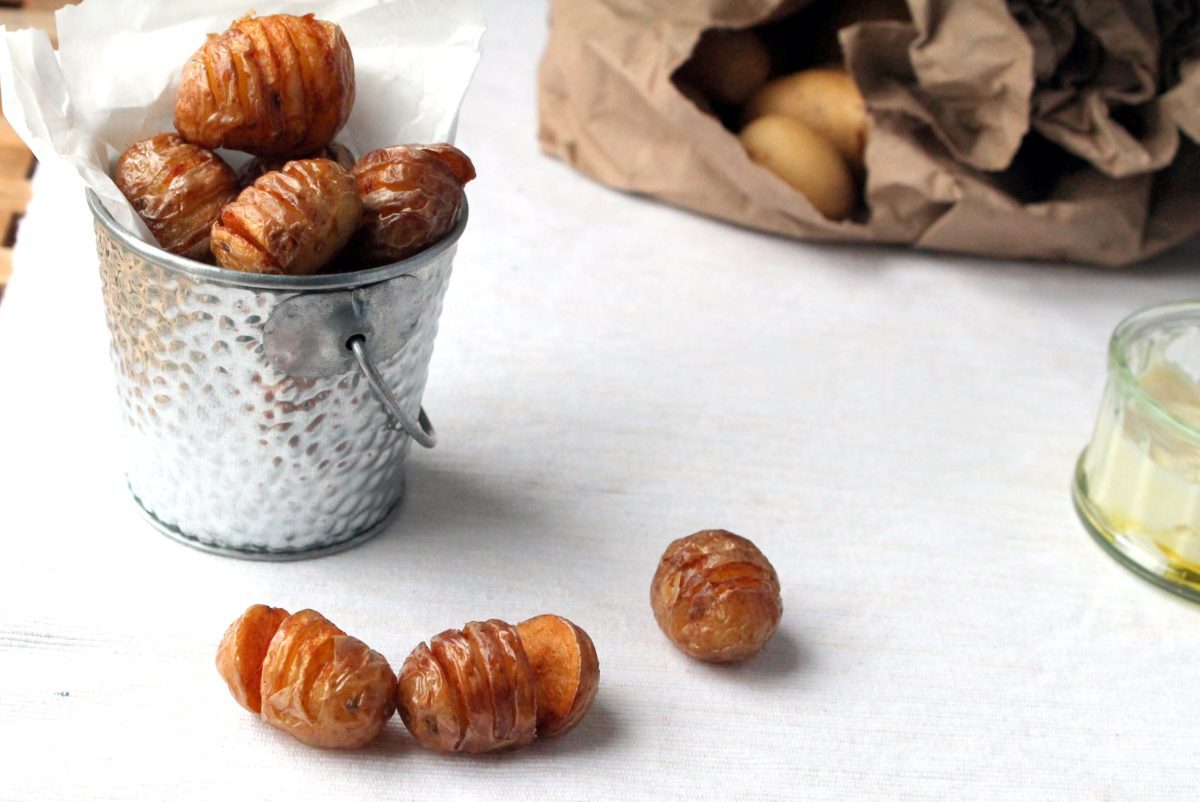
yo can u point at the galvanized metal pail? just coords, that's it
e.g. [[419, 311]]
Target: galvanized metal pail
[[268, 417]]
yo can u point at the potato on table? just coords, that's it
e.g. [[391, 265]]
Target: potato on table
[[177, 189], [566, 671], [469, 690], [243, 649], [492, 686], [716, 596], [314, 681], [280, 85], [289, 222]]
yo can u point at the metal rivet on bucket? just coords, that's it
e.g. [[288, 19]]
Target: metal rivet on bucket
[[268, 416]]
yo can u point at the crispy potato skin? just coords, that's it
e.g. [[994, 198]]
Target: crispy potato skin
[[716, 596], [261, 165], [243, 649], [411, 197], [291, 221], [469, 690], [566, 671], [323, 687], [177, 189], [278, 85]]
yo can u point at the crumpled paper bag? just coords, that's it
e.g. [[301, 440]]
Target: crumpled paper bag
[[1049, 129], [113, 80]]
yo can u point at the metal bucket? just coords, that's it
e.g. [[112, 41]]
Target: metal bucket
[[268, 417]]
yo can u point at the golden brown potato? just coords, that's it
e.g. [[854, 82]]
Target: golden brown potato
[[272, 86], [727, 66], [411, 198], [469, 690], [803, 159], [716, 596], [323, 687], [261, 165], [826, 100], [306, 677], [243, 649], [177, 189], [291, 221], [566, 671]]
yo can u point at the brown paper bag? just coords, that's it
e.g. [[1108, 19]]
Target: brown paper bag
[[1051, 129]]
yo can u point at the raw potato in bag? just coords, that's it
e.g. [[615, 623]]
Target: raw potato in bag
[[1024, 129]]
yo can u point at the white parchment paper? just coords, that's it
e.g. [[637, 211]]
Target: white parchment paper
[[114, 78]]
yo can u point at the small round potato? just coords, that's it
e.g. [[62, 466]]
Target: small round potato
[[303, 675], [716, 596], [178, 189], [826, 100], [291, 221], [803, 159], [324, 687], [469, 690], [727, 66], [280, 85]]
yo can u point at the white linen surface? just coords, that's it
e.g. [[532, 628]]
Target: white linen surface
[[895, 430]]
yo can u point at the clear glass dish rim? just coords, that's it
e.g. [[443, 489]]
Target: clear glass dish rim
[[1136, 323]]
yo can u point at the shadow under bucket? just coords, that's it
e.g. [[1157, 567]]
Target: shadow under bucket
[[268, 417]]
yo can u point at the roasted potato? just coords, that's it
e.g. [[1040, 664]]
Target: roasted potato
[[280, 85], [566, 671], [291, 221], [826, 100], [257, 167], [314, 681], [411, 198], [469, 690], [804, 159], [177, 189], [716, 596], [243, 649], [727, 65]]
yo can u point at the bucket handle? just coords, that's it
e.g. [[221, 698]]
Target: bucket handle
[[420, 430]]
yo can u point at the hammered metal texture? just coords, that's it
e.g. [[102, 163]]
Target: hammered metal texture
[[229, 452]]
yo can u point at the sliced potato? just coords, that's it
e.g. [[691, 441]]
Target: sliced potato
[[826, 100], [243, 649], [566, 671], [805, 160]]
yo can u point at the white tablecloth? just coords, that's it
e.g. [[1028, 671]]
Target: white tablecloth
[[895, 430]]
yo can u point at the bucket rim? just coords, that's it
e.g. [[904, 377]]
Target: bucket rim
[[260, 281]]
